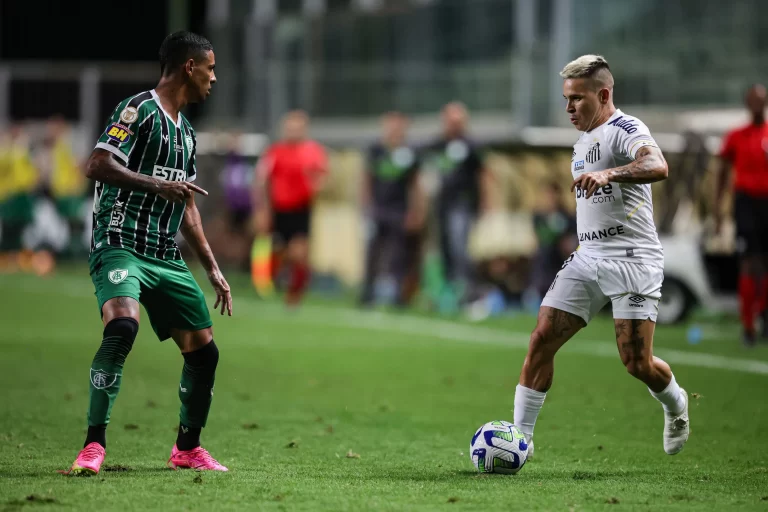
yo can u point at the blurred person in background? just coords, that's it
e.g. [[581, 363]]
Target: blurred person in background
[[555, 229], [18, 182], [236, 181], [461, 197], [745, 149], [396, 205], [63, 182], [288, 177]]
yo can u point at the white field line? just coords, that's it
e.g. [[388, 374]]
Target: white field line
[[406, 324]]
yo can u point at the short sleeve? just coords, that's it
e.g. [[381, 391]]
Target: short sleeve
[[122, 130], [629, 135]]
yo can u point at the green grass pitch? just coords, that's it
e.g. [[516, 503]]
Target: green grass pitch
[[329, 408]]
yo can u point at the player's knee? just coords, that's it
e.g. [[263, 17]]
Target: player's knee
[[638, 367], [119, 335], [206, 358], [124, 327], [212, 355]]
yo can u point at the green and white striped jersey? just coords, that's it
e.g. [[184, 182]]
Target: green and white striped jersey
[[145, 139]]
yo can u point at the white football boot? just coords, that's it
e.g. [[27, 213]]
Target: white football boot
[[676, 429]]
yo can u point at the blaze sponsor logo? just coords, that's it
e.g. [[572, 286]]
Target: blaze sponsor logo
[[602, 195]]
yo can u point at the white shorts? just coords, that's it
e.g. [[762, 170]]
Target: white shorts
[[585, 284]]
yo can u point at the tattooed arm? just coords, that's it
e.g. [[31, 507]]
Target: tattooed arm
[[649, 166]]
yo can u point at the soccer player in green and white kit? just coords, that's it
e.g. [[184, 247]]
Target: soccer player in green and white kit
[[144, 166]]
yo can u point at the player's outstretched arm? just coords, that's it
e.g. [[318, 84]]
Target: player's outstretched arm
[[192, 229], [649, 166], [102, 167]]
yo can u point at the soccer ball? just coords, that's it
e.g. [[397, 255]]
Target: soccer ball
[[498, 447]]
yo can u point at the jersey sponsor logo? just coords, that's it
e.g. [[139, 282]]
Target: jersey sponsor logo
[[168, 173], [118, 132], [118, 216], [637, 301], [117, 276], [599, 234], [129, 115], [625, 124], [593, 153], [602, 195], [102, 380], [579, 165], [190, 142]]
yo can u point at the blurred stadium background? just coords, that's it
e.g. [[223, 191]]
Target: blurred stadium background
[[680, 66]]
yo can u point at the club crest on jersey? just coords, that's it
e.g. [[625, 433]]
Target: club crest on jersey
[[129, 115], [593, 153], [102, 380], [190, 142], [117, 276], [118, 132]]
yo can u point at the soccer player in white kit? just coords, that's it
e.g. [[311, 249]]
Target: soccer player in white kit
[[619, 257]]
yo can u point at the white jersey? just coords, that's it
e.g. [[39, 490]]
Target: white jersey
[[616, 222]]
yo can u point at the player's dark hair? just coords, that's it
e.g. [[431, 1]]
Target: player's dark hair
[[179, 47]]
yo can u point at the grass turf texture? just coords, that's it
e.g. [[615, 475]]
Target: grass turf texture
[[300, 395]]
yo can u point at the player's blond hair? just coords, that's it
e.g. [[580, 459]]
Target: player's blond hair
[[589, 66]]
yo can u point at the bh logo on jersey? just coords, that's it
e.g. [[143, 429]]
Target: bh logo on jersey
[[168, 173], [118, 132]]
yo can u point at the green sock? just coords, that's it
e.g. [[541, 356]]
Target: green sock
[[196, 385], [107, 368]]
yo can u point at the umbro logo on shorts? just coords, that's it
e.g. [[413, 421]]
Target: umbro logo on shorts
[[637, 300]]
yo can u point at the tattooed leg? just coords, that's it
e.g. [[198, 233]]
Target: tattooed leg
[[635, 341], [553, 328]]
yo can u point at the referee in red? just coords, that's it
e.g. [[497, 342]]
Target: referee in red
[[745, 150], [288, 177]]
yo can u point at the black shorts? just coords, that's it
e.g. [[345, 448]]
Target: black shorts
[[751, 216], [288, 225]]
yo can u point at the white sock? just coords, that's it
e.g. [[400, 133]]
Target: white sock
[[528, 403], [671, 398]]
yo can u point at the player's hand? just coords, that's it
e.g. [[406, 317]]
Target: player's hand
[[221, 287], [590, 182], [179, 191]]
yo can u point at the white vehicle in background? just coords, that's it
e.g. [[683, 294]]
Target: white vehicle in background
[[688, 282]]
